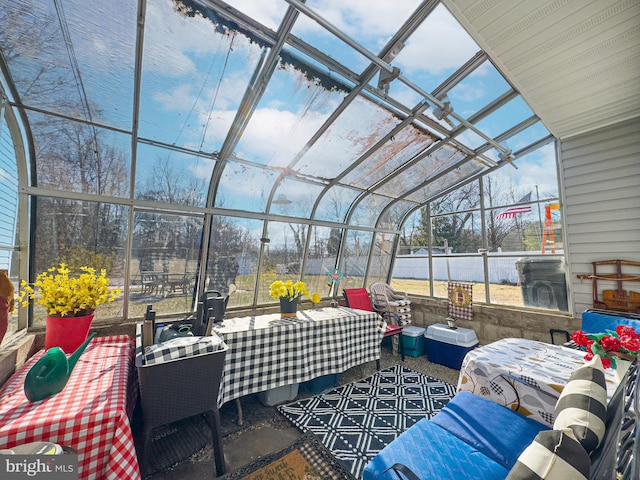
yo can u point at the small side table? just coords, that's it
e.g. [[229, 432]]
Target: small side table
[[178, 389]]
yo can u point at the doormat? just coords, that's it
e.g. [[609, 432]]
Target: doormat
[[356, 421], [174, 443], [304, 459]]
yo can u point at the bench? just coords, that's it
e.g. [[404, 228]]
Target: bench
[[472, 437]]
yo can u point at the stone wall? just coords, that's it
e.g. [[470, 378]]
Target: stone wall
[[492, 322]]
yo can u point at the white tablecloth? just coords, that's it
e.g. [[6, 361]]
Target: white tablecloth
[[266, 351], [524, 375]]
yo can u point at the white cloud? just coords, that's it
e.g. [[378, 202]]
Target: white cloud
[[440, 43], [267, 12]]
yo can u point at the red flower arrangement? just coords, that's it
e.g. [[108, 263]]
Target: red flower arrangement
[[624, 343]]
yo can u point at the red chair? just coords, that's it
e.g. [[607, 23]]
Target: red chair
[[359, 298]]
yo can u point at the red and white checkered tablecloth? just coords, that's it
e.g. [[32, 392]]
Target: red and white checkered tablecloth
[[91, 414]]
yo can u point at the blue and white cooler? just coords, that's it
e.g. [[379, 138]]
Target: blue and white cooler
[[448, 346]]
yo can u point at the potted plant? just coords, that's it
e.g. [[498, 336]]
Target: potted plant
[[288, 293], [70, 301]]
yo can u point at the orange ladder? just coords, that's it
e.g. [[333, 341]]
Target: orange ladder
[[548, 236]]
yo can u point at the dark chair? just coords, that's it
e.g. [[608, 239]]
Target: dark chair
[[179, 389], [359, 298]]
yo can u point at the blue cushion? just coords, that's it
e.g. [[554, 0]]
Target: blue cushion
[[433, 453], [494, 430], [594, 322]]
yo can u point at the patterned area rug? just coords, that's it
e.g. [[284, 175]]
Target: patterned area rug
[[304, 459], [357, 420]]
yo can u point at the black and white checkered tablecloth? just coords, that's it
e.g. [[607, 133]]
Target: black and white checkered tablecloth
[[267, 352]]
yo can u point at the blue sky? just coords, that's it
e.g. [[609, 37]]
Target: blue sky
[[191, 87]]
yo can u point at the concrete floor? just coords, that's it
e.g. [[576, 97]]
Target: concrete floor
[[264, 430]]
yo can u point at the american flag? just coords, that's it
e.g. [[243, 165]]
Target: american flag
[[511, 212]]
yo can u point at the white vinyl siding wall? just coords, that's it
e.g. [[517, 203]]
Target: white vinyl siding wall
[[600, 172]]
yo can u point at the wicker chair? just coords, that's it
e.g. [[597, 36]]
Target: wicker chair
[[390, 303], [179, 389]]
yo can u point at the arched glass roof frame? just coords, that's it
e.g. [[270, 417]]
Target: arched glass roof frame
[[366, 171]]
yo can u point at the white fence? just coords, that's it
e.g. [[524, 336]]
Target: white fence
[[502, 268]]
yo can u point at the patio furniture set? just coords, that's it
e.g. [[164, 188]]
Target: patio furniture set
[[514, 383], [516, 400]]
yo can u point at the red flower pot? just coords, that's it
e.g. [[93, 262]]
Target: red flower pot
[[68, 333]]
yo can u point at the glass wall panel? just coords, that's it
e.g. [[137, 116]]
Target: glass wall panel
[[164, 263], [411, 274], [533, 281], [9, 259], [282, 257], [367, 212], [295, 198], [353, 263], [77, 157], [458, 268], [245, 187], [323, 251], [73, 59], [381, 257], [466, 197], [233, 257], [194, 75], [459, 233], [173, 177], [335, 204], [504, 281], [536, 174], [519, 233], [81, 233]]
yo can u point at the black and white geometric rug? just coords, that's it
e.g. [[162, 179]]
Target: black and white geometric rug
[[357, 420]]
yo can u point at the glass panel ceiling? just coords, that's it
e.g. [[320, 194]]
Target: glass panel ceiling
[[354, 132], [437, 48], [389, 157], [216, 83], [191, 89], [73, 60], [289, 113]]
